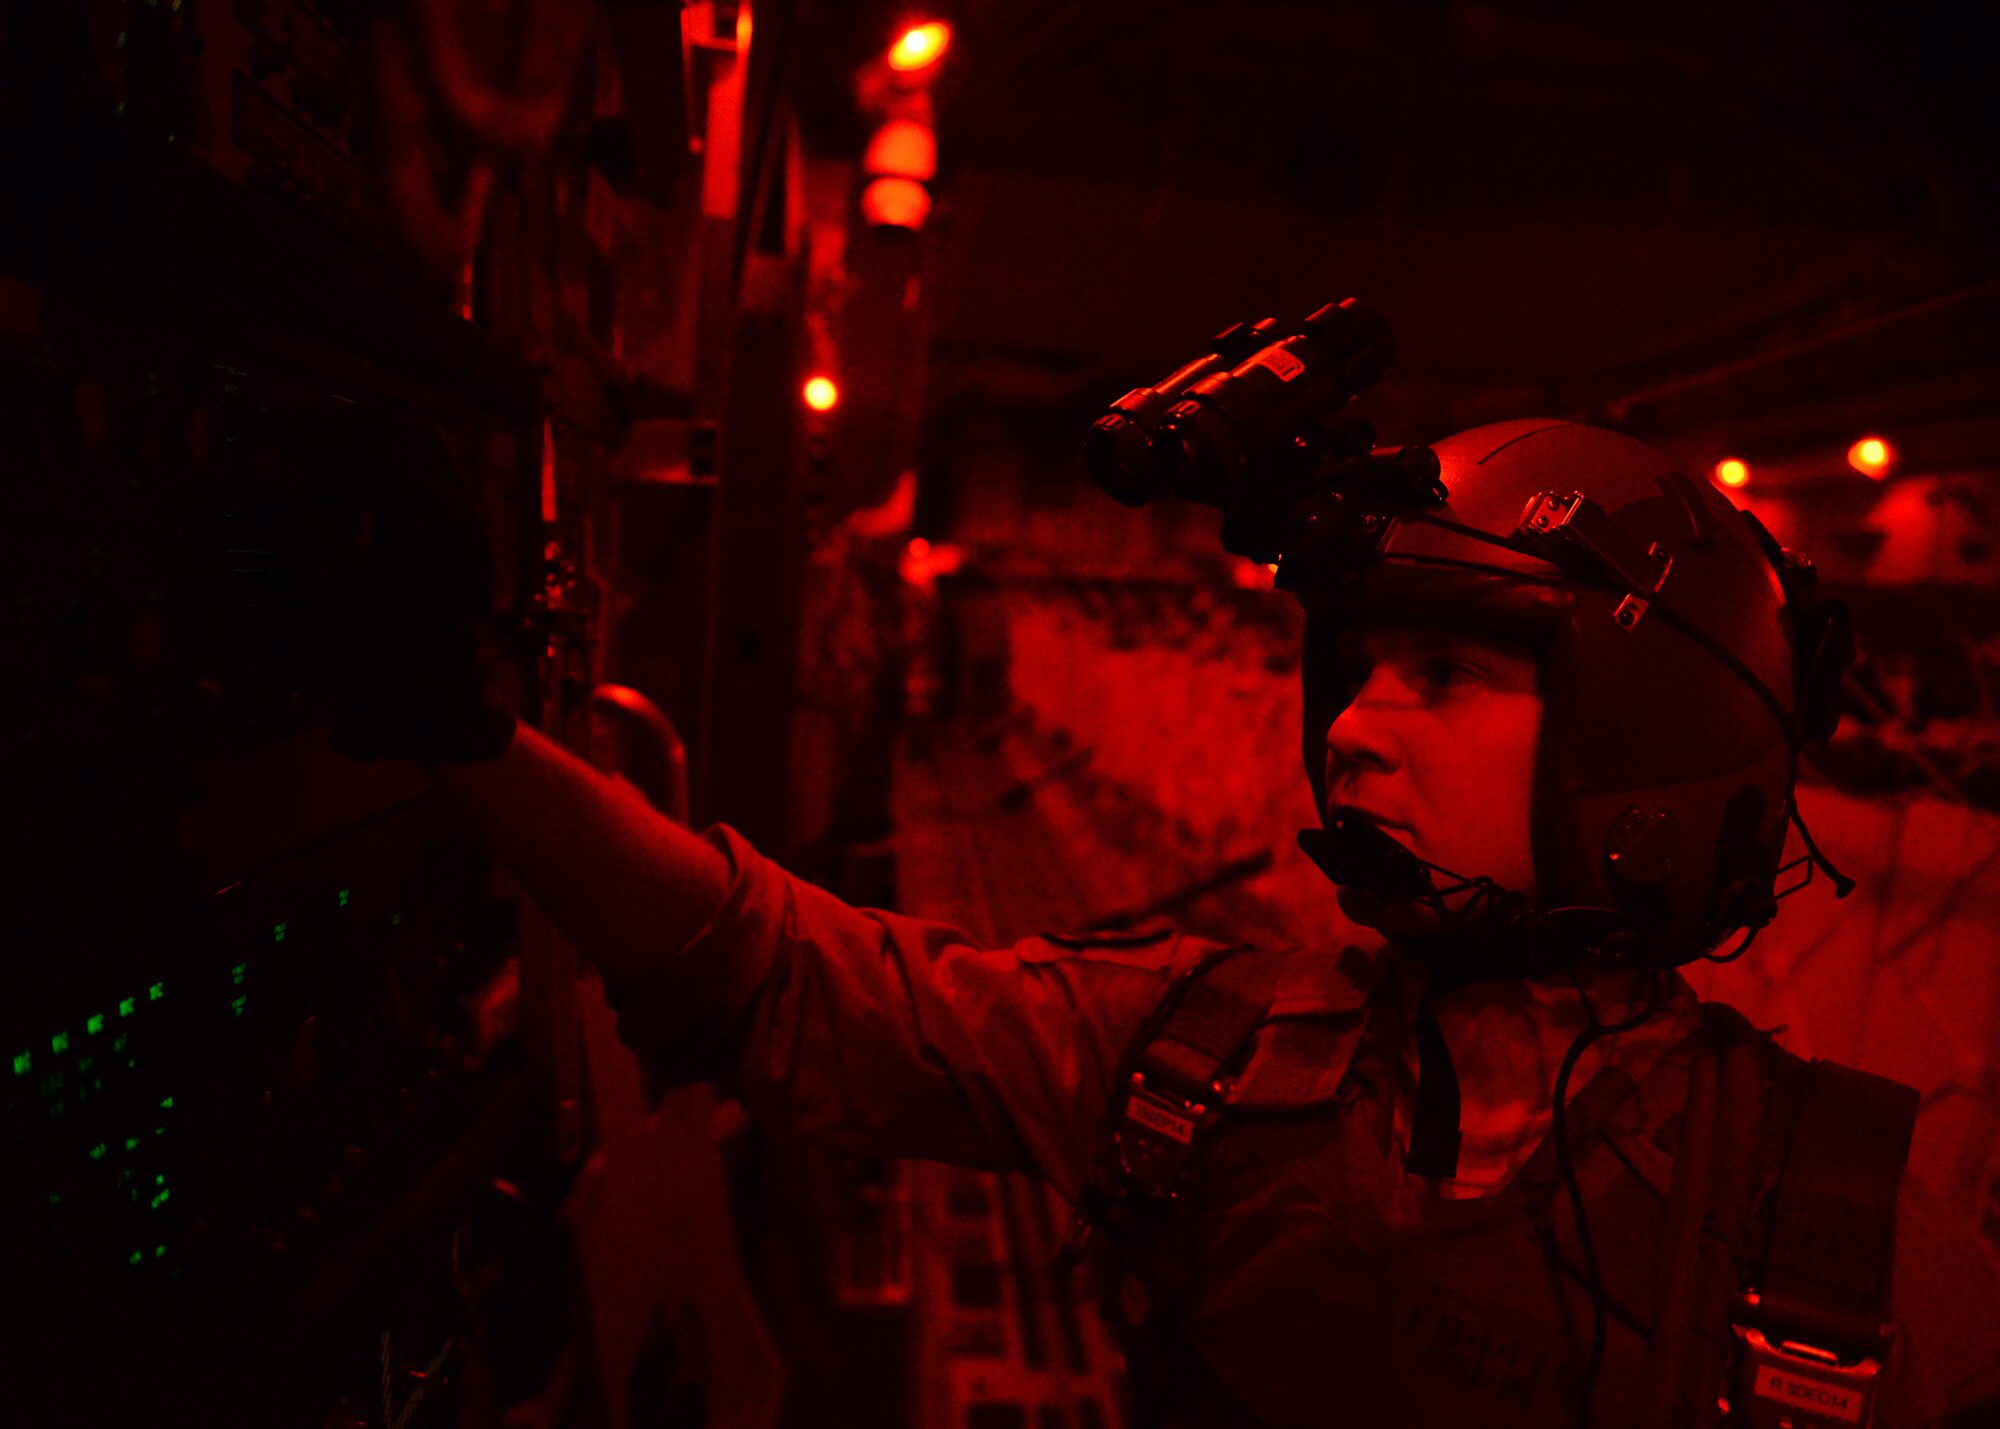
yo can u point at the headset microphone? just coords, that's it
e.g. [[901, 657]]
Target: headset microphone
[[1354, 851]]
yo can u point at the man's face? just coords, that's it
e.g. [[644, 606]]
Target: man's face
[[1438, 746]]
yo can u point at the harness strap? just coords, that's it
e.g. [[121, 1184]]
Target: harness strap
[[1435, 1129], [1812, 1328], [1171, 1084], [1825, 1279], [1209, 1025]]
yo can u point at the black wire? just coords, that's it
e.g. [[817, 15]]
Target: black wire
[[1749, 937], [1842, 884], [1599, 1298]]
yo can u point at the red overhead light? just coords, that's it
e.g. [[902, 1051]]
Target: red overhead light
[[920, 46], [822, 393], [1732, 471], [1872, 457], [895, 203]]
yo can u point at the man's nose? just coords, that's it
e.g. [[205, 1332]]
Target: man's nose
[[1364, 736]]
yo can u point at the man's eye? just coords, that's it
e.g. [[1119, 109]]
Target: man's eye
[[1441, 672]]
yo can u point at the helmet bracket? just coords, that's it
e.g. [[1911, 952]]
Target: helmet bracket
[[1577, 534]]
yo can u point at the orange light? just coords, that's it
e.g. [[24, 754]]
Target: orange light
[[821, 394], [1250, 575], [901, 149], [1731, 471], [896, 203], [919, 46], [1871, 457]]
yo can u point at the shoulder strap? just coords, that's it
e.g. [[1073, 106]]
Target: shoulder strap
[[1812, 1326], [1171, 1082], [1825, 1273], [1207, 1023]]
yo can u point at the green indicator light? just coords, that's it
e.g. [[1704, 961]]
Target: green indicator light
[[158, 1251], [97, 1084], [157, 991], [159, 1131], [22, 1062], [131, 1143], [95, 1025], [277, 932], [167, 1102], [159, 1178], [343, 897], [158, 1201], [59, 1042], [136, 1255], [97, 1152], [236, 1004], [236, 973], [127, 1006]]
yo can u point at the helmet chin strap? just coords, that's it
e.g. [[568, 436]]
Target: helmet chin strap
[[1491, 934]]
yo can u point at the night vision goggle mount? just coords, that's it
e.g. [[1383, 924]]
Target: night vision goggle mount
[[1253, 427]]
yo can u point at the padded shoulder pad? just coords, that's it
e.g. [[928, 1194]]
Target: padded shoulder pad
[[1300, 1054]]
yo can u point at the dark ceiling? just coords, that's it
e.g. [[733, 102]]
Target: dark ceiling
[[1557, 205]]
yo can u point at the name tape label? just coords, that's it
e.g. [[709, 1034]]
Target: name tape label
[[1813, 1394], [1157, 1119]]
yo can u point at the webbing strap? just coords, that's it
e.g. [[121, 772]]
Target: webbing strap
[[1435, 1130], [1210, 1023], [1825, 1279]]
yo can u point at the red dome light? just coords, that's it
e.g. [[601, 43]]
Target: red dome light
[[822, 394]]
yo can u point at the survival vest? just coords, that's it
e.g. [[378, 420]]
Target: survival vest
[[1270, 1264]]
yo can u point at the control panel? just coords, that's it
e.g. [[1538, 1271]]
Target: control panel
[[257, 1015]]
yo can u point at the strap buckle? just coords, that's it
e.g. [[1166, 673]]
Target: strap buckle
[[1792, 1385], [1156, 1136]]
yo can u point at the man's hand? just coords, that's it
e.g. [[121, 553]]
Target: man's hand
[[623, 882]]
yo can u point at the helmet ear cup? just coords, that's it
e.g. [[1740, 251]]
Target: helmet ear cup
[[1642, 847]]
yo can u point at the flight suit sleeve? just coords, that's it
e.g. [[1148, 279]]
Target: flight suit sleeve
[[895, 1035]]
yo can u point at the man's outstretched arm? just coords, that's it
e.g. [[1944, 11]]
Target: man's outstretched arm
[[622, 881], [888, 1033]]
